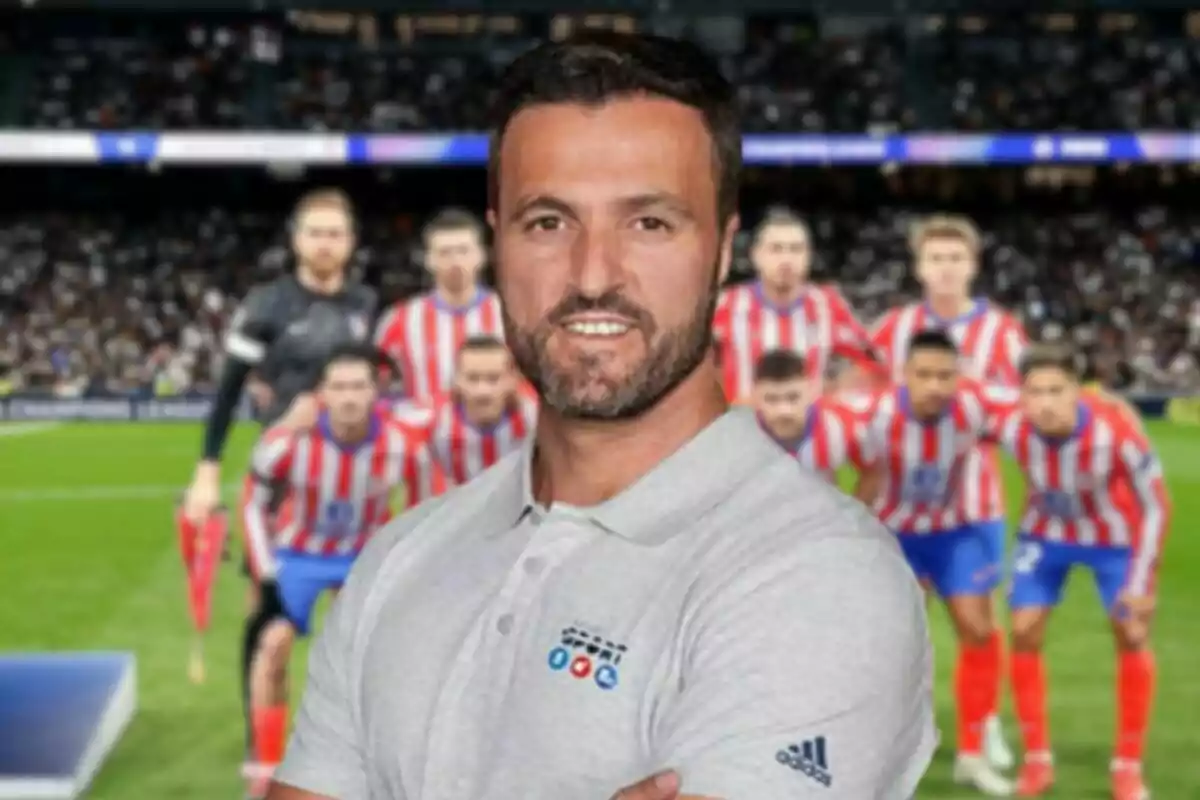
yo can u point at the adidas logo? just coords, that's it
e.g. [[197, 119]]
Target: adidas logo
[[808, 757]]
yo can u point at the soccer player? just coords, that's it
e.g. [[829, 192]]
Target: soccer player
[[920, 437], [423, 334], [782, 309], [284, 332], [823, 435], [337, 480], [946, 251], [1095, 498], [486, 417]]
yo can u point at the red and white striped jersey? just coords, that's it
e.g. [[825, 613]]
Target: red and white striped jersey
[[336, 496], [931, 473], [1102, 486], [464, 449], [819, 324], [833, 438], [989, 340], [423, 334]]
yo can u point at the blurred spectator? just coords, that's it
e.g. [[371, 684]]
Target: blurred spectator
[[380, 72]]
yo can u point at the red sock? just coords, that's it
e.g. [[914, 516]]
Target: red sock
[[971, 682], [995, 671], [1029, 696], [1135, 693], [270, 733]]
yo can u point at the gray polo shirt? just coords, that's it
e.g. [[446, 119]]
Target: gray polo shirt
[[730, 616]]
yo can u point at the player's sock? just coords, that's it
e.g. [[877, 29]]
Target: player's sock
[[250, 634], [270, 733], [1029, 696], [1135, 693], [994, 671], [972, 695]]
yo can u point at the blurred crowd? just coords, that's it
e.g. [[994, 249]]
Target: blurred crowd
[[90, 305], [338, 71]]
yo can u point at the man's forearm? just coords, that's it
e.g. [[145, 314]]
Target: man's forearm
[[229, 392]]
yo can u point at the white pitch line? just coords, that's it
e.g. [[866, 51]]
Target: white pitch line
[[25, 428], [94, 493]]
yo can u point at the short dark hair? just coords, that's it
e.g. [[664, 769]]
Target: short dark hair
[[780, 365], [778, 216], [357, 353], [934, 339], [452, 219], [594, 67], [481, 342], [1051, 355]]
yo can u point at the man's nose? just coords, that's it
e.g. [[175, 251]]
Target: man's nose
[[596, 262]]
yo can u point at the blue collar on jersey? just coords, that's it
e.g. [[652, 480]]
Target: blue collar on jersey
[[979, 307], [761, 294], [907, 411], [1083, 418], [442, 305], [326, 430]]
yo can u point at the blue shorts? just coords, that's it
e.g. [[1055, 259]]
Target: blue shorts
[[1040, 570], [302, 578], [963, 561]]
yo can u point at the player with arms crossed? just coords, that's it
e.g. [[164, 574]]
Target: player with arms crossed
[[284, 331], [920, 438], [423, 334], [946, 252], [782, 309], [1095, 498], [337, 480], [486, 417], [823, 435]]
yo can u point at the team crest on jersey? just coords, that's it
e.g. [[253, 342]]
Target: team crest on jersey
[[358, 326]]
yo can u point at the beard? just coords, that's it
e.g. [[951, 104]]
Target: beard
[[582, 389]]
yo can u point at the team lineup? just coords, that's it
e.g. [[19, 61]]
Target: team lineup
[[919, 409]]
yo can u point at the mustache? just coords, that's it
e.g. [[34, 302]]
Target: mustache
[[611, 301]]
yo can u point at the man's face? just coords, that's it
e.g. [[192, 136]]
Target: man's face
[[946, 266], [349, 392], [783, 406], [609, 251], [454, 258], [485, 383], [1049, 397], [931, 377], [782, 256], [323, 240]]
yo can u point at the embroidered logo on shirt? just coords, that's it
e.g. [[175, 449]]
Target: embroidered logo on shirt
[[585, 655], [809, 758]]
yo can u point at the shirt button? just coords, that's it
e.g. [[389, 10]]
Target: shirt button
[[533, 566], [504, 624]]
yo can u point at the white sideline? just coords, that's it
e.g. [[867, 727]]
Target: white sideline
[[93, 493], [25, 428]]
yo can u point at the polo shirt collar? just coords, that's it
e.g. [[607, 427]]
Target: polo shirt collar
[[682, 488]]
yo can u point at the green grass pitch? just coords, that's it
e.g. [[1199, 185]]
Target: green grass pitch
[[89, 562]]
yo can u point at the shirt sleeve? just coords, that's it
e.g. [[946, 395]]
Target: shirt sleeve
[[810, 676], [1145, 475], [251, 328]]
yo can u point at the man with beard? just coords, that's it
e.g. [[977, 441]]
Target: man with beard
[[424, 334], [649, 548], [284, 330], [783, 309]]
